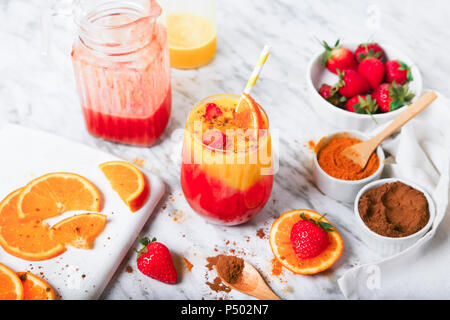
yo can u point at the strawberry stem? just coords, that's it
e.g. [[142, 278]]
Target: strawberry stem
[[324, 225]]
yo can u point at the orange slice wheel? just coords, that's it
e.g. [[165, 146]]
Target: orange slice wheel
[[10, 285], [35, 288], [282, 249], [79, 231], [248, 114], [128, 181], [55, 193], [30, 239]]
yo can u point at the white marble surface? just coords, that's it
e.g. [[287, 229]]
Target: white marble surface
[[40, 93]]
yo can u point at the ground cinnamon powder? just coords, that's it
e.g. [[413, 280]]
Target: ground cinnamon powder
[[394, 210], [230, 268], [338, 166]]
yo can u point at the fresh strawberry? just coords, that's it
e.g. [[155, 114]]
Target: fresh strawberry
[[309, 237], [330, 94], [154, 260], [215, 138], [362, 104], [338, 58], [398, 71], [212, 111], [351, 83], [365, 50], [391, 96], [372, 70], [325, 91]]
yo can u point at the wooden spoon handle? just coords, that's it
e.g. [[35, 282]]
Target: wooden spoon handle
[[413, 110], [264, 294]]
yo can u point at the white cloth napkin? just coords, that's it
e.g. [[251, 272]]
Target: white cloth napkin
[[421, 154]]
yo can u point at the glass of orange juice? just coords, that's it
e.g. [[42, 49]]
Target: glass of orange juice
[[191, 27]]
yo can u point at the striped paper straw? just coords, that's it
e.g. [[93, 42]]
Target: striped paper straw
[[258, 68]]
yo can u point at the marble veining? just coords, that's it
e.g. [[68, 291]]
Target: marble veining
[[39, 92]]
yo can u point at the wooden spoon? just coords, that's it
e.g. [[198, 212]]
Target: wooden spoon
[[360, 153], [251, 283]]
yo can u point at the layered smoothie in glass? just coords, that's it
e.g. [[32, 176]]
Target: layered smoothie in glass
[[226, 171]]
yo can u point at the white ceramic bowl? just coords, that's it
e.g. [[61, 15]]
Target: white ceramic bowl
[[317, 74], [338, 189], [387, 245]]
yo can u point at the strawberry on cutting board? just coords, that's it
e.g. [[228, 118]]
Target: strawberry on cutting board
[[371, 49], [338, 58], [398, 71], [373, 70], [351, 83], [154, 260], [391, 96]]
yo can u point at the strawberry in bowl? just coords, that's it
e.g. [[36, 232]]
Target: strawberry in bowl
[[335, 85]]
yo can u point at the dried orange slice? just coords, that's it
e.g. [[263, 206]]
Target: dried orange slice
[[282, 249], [128, 181], [248, 114], [79, 231], [10, 285], [29, 239], [35, 288], [54, 193]]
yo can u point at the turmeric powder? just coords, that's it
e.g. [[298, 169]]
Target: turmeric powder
[[338, 166]]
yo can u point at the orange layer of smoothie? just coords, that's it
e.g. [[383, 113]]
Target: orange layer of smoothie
[[226, 172], [192, 40]]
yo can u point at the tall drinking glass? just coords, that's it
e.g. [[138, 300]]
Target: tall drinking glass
[[226, 171]]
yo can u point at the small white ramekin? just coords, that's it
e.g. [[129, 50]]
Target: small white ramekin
[[338, 189], [386, 245]]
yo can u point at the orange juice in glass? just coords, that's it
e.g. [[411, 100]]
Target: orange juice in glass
[[226, 171], [191, 28]]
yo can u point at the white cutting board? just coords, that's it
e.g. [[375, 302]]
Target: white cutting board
[[76, 274]]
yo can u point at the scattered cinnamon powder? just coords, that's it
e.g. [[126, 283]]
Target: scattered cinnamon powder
[[189, 265], [218, 285], [338, 166], [260, 233], [394, 209], [277, 267]]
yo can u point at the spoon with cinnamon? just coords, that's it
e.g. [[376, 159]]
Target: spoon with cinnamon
[[240, 275], [360, 153]]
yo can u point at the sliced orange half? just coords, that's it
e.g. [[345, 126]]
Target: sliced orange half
[[55, 193], [29, 239], [10, 285], [35, 288], [248, 114], [79, 231], [128, 181], [282, 249]]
